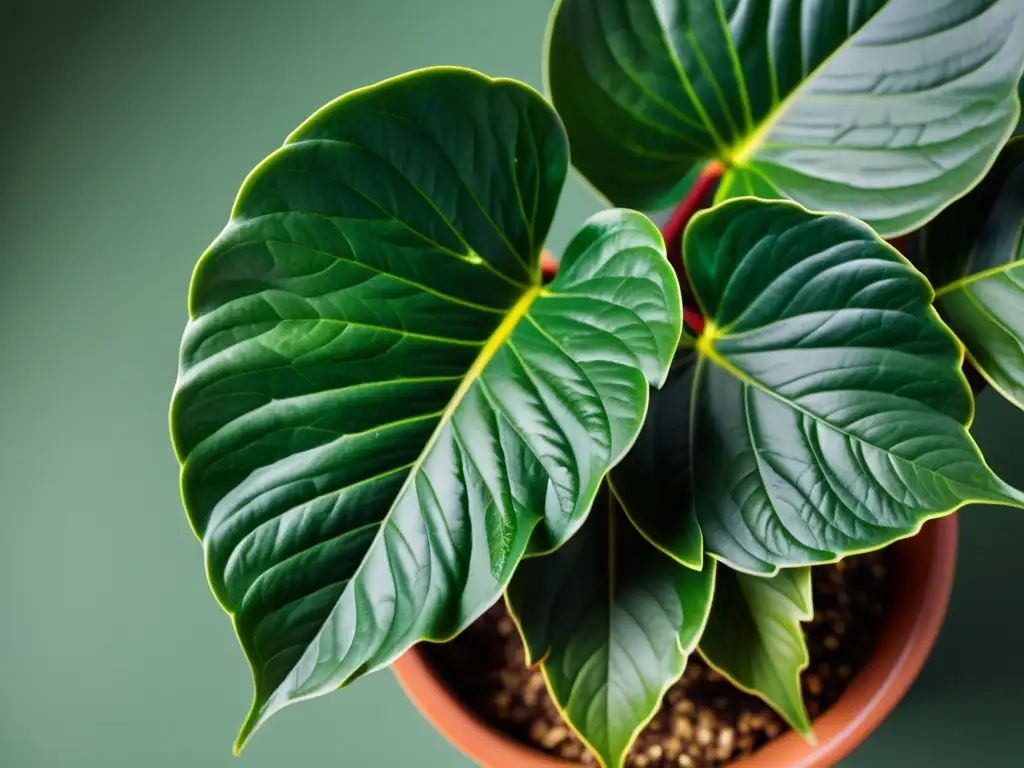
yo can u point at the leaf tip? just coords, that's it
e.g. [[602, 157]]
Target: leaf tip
[[256, 717], [806, 731], [243, 736]]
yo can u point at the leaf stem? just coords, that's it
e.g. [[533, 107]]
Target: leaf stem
[[696, 199]]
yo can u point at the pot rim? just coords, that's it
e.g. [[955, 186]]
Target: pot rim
[[922, 582]]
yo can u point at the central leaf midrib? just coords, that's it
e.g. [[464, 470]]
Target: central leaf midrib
[[996, 320], [967, 280], [490, 349], [745, 378], [742, 154], [758, 461]]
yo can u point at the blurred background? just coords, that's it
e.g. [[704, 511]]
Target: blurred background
[[125, 131]]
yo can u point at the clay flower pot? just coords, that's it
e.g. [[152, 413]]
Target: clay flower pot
[[921, 584]]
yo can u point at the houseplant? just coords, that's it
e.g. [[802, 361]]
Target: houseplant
[[386, 419]]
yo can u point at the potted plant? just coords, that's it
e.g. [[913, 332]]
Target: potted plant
[[388, 417]]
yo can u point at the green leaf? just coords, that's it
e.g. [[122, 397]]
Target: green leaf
[[829, 408], [746, 182], [653, 481], [377, 400], [974, 255], [611, 620], [1019, 130], [883, 109], [754, 637]]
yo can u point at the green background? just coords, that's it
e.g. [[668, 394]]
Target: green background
[[125, 131]]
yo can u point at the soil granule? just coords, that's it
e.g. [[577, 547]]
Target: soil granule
[[704, 720]]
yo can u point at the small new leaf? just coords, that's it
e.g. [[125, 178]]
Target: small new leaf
[[754, 637], [611, 620], [378, 402]]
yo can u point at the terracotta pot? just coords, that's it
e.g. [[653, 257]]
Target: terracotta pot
[[922, 581]]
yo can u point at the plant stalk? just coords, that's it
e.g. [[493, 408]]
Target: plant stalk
[[696, 199]]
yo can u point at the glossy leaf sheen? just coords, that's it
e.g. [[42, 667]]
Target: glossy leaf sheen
[[883, 109], [974, 255], [755, 638], [612, 621], [653, 481], [830, 408], [377, 402]]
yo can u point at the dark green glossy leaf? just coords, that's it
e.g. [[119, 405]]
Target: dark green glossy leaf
[[974, 255], [611, 621], [755, 638], [653, 481], [377, 401], [830, 409], [883, 109]]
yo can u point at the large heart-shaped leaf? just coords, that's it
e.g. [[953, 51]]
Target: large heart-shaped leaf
[[755, 638], [653, 481], [830, 410], [378, 401], [974, 255], [611, 621], [883, 109]]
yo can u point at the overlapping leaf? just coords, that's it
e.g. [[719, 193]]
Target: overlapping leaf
[[611, 620], [974, 255], [830, 409], [377, 401], [653, 481], [755, 638], [883, 109]]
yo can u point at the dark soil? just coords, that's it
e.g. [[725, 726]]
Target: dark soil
[[703, 720]]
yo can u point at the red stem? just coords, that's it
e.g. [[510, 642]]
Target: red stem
[[695, 200], [548, 266]]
